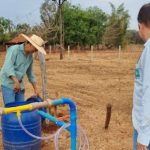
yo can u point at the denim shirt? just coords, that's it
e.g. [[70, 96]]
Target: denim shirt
[[141, 97], [17, 63]]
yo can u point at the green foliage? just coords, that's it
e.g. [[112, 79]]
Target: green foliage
[[23, 28], [6, 28], [116, 29], [133, 37], [9, 31], [83, 26], [6, 25]]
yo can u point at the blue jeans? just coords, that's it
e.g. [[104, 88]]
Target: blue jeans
[[10, 96], [135, 135]]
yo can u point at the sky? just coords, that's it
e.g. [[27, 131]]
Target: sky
[[28, 10]]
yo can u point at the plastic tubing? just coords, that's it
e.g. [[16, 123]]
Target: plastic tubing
[[73, 117], [58, 134], [34, 136], [83, 144]]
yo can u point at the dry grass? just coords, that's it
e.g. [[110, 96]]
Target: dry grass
[[92, 85]]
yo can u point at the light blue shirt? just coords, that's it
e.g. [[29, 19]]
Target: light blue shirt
[[141, 98], [17, 63]]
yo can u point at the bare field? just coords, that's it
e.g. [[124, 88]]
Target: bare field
[[92, 84]]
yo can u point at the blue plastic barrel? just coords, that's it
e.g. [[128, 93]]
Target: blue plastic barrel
[[14, 138], [37, 99]]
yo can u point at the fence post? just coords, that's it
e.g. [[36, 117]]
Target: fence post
[[50, 49], [119, 71], [68, 51], [119, 56], [108, 115], [92, 50]]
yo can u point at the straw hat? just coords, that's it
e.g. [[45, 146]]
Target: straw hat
[[37, 42]]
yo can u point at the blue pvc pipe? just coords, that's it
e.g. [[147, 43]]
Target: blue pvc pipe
[[53, 119], [73, 118]]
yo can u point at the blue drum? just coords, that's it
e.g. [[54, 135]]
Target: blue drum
[[14, 138]]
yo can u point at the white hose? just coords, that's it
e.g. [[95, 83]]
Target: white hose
[[58, 134], [34, 136], [83, 142]]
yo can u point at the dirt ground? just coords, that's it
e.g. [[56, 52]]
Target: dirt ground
[[92, 82]]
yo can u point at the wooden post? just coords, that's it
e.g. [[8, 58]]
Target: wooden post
[[119, 71], [108, 116], [92, 50], [68, 51], [50, 49], [119, 56]]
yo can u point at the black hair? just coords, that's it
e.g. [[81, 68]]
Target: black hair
[[144, 15]]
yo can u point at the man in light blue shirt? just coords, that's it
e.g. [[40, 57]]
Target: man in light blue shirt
[[18, 63], [141, 98]]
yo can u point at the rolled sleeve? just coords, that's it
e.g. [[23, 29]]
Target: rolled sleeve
[[30, 73]]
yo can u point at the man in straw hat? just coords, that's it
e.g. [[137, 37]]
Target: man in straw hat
[[18, 63]]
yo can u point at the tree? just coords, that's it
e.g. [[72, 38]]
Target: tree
[[97, 24], [48, 11], [133, 37], [116, 29], [52, 17], [23, 28], [83, 26], [49, 25], [6, 28]]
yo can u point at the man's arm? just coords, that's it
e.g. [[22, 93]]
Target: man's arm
[[8, 67], [144, 128]]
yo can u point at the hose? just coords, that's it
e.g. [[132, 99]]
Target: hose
[[85, 139], [34, 136], [83, 142], [56, 137]]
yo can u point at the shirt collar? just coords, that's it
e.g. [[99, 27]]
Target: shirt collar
[[147, 42]]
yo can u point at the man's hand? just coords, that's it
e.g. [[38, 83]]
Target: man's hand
[[141, 147], [16, 84], [35, 90], [36, 93]]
